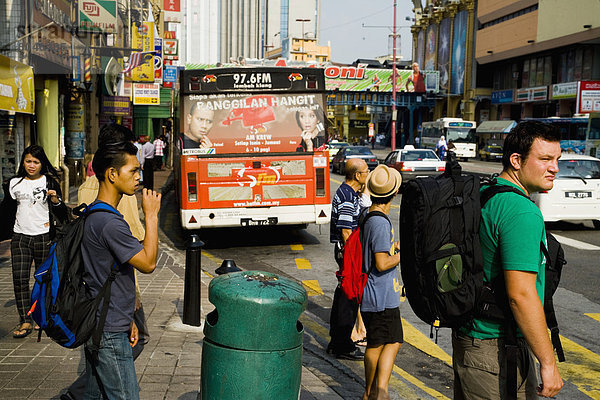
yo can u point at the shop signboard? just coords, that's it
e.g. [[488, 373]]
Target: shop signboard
[[142, 37], [171, 50], [523, 95], [98, 16], [588, 97], [539, 93], [158, 60], [502, 96], [52, 47], [374, 79], [172, 5], [75, 131], [170, 73], [146, 94], [564, 90], [115, 105], [16, 86]]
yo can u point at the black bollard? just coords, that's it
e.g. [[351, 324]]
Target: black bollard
[[193, 273]]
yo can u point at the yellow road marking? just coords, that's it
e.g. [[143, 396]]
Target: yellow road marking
[[312, 287], [335, 180], [212, 258], [296, 247], [417, 339], [581, 368], [405, 391], [595, 316], [419, 384], [303, 263]]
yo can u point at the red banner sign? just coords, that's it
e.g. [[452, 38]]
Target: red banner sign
[[172, 5]]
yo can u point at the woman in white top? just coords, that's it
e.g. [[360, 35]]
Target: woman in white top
[[32, 200]]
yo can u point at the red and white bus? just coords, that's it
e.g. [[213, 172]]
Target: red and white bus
[[251, 147]]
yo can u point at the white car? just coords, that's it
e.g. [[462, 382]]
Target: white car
[[415, 163], [576, 192]]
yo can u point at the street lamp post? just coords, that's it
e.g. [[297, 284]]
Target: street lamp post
[[394, 111], [303, 20]]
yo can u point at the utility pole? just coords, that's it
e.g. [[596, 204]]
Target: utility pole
[[394, 111], [303, 20]]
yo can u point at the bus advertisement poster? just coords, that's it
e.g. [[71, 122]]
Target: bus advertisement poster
[[241, 123]]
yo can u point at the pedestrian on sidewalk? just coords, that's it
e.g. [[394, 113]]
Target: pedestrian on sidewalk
[[344, 219], [512, 234], [30, 211], [128, 207], [148, 154], [159, 152], [380, 306], [107, 242]]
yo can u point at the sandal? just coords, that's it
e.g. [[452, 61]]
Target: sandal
[[22, 332], [361, 342]]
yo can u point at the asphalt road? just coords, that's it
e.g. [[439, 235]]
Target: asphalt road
[[423, 368]]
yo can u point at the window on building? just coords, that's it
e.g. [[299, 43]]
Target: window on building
[[578, 64], [525, 77], [285, 18], [588, 58]]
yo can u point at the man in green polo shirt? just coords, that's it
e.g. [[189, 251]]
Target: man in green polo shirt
[[511, 231]]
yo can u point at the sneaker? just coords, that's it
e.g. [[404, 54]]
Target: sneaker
[[355, 355]]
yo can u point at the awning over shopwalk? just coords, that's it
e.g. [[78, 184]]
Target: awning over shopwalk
[[496, 126], [16, 86]]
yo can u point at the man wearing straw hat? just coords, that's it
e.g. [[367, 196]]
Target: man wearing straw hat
[[380, 305]]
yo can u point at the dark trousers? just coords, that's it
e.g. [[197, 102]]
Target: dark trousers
[[158, 162], [77, 389], [25, 250], [342, 317], [341, 323], [149, 173]]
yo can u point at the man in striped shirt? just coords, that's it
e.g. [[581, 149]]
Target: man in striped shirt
[[159, 152], [345, 210]]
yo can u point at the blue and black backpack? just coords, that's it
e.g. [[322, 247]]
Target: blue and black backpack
[[61, 303]]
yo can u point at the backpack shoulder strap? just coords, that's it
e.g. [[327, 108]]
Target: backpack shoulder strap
[[494, 189], [366, 215], [364, 220], [101, 206]]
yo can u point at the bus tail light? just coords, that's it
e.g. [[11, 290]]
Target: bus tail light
[[320, 175], [192, 187]]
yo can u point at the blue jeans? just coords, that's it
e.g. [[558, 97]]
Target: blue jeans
[[112, 376]]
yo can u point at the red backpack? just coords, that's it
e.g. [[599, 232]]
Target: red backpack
[[353, 278]]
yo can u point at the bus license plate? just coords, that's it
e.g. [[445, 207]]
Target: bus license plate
[[578, 195], [258, 222]]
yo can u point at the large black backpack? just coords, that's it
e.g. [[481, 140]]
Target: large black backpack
[[61, 303], [441, 262]]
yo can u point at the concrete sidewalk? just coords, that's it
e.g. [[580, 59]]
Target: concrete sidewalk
[[169, 366]]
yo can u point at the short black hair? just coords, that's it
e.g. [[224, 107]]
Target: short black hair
[[383, 200], [521, 138], [112, 155], [114, 133]]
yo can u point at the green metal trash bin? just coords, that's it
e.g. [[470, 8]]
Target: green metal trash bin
[[252, 346]]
